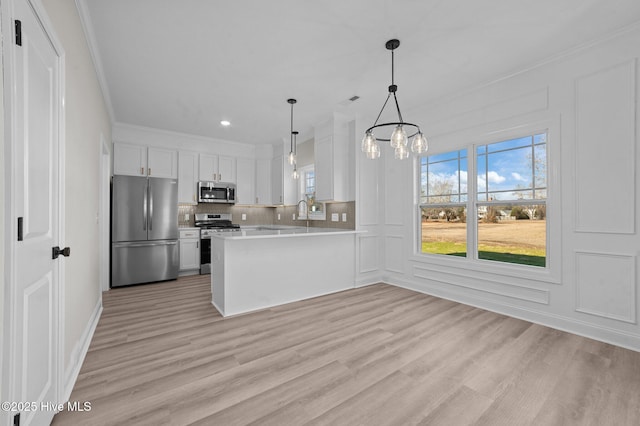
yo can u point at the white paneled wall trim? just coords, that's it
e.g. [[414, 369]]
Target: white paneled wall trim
[[489, 284], [587, 98], [606, 285], [606, 134]]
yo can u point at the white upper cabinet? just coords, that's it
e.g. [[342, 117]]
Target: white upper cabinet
[[162, 163], [246, 179], [334, 152], [324, 168], [227, 169], [140, 160], [283, 186], [276, 180], [217, 168], [208, 167], [129, 160], [263, 182], [187, 177]]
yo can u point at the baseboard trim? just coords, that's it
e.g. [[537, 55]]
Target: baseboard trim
[[80, 351]]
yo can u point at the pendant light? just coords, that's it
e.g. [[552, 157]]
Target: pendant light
[[292, 152], [292, 157], [295, 173], [399, 138]]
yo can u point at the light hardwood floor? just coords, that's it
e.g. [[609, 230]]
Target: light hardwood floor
[[379, 355]]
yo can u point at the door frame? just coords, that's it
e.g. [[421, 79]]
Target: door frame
[[7, 388], [104, 215]]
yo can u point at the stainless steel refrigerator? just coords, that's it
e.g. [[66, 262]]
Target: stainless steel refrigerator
[[144, 230]]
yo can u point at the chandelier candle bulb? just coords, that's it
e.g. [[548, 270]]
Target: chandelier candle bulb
[[374, 152], [419, 144], [398, 137]]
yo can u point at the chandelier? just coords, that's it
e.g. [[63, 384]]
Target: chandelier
[[293, 152], [399, 138]]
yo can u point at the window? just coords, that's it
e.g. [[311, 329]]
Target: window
[[507, 203], [307, 192], [310, 183], [443, 199]]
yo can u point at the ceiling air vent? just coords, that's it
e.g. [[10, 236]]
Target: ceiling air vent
[[349, 101]]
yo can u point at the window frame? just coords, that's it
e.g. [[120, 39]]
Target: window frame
[[551, 272]]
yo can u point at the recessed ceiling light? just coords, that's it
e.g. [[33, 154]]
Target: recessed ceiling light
[[225, 123]]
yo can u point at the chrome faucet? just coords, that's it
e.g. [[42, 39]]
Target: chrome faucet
[[298, 210]]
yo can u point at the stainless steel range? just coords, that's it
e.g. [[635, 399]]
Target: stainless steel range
[[209, 224]]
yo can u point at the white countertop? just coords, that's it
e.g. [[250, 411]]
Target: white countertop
[[276, 231]]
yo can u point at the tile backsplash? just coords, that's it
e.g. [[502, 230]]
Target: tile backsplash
[[259, 215]]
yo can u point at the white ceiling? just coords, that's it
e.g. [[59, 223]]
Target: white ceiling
[[184, 65]]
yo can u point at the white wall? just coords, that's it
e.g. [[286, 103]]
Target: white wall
[[588, 98], [5, 205], [86, 117]]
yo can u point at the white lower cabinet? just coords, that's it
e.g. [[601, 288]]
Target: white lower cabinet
[[189, 251]]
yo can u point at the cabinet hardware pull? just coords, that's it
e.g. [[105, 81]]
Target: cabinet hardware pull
[[141, 170], [149, 169]]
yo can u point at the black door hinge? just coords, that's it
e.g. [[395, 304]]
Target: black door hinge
[[20, 235], [18, 26], [16, 420]]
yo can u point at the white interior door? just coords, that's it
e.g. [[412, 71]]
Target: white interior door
[[35, 158]]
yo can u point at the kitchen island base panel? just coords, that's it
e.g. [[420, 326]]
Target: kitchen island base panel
[[252, 274]]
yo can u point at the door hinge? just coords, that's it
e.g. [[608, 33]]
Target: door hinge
[[20, 235], [18, 26], [16, 420]]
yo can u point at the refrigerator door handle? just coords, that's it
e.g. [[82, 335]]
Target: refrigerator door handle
[[150, 208], [144, 208], [146, 244]]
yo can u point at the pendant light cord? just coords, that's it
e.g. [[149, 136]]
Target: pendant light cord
[[392, 89]]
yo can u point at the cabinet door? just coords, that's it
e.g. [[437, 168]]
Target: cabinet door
[[324, 168], [129, 159], [263, 181], [189, 254], [208, 167], [187, 177], [277, 187], [246, 177], [227, 169], [162, 163]]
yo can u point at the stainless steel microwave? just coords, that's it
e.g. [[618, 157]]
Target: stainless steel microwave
[[216, 192]]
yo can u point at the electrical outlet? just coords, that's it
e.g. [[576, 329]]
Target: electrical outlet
[[344, 217], [334, 217], [278, 216], [244, 216], [186, 216], [293, 216]]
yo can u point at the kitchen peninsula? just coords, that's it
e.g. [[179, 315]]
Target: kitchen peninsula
[[268, 266]]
